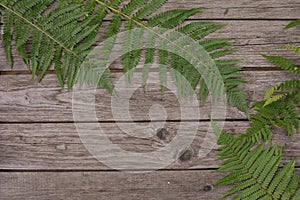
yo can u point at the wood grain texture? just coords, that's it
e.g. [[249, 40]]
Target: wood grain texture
[[242, 9], [249, 38], [42, 155], [58, 146], [22, 100], [167, 185]]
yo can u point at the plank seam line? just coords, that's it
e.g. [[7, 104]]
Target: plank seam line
[[103, 171], [219, 19], [113, 122], [25, 72], [213, 169]]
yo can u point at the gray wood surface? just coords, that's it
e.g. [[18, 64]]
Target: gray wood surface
[[58, 146], [167, 185], [42, 156], [241, 9], [22, 100], [249, 38]]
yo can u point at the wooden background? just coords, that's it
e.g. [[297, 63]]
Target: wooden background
[[42, 157]]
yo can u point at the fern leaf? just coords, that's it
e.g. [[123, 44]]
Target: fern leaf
[[55, 35], [8, 20], [235, 97], [293, 24], [255, 170], [274, 98], [286, 116], [289, 88], [283, 63], [214, 44], [149, 58], [221, 53], [64, 36], [292, 48], [163, 59], [169, 19]]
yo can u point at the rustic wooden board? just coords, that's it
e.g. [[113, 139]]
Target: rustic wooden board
[[165, 185], [42, 156], [58, 146], [242, 9], [250, 38], [22, 100]]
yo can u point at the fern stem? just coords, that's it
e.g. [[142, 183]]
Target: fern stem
[[41, 30]]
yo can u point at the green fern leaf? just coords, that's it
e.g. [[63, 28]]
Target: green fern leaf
[[7, 36], [288, 89], [63, 37], [283, 63], [292, 48], [54, 35], [261, 123], [255, 171], [170, 19], [293, 24]]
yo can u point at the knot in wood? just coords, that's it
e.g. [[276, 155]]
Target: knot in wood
[[162, 133], [186, 155], [207, 188]]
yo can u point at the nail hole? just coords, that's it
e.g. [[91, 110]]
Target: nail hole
[[186, 155], [207, 188], [226, 11], [162, 133]]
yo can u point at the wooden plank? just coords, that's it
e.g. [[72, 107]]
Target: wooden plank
[[22, 100], [110, 185], [167, 185], [250, 38], [59, 147], [243, 9]]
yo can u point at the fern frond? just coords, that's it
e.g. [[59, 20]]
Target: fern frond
[[232, 79], [7, 36], [283, 63], [292, 48], [252, 164], [255, 171], [288, 89], [55, 35], [260, 130], [63, 37], [168, 20], [293, 24], [282, 98], [278, 113]]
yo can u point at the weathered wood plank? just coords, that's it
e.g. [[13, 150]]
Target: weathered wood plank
[[165, 185], [58, 146], [243, 9], [22, 100], [250, 38]]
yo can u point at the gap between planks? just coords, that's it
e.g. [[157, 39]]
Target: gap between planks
[[26, 72]]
